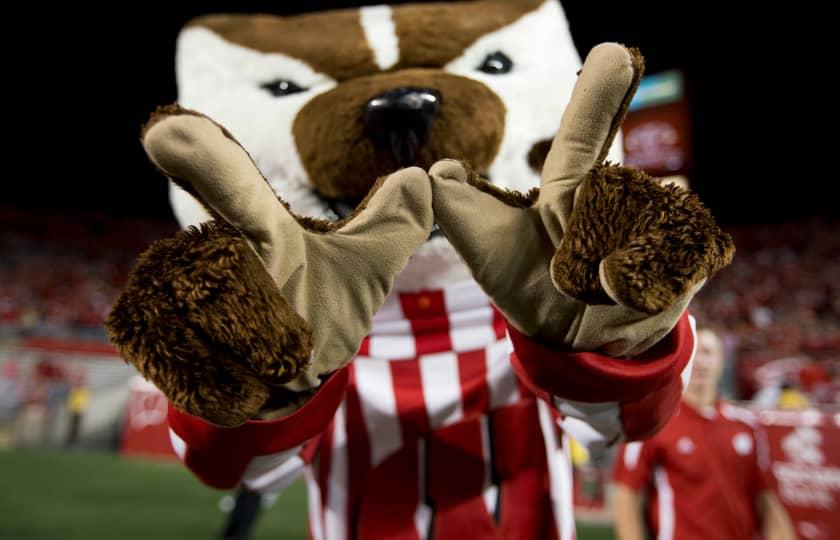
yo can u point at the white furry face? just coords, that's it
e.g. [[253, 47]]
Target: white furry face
[[224, 80], [536, 90]]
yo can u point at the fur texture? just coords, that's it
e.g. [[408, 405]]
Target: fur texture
[[655, 241], [203, 320], [342, 161], [507, 196]]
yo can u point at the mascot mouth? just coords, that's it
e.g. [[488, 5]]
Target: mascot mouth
[[341, 208], [338, 209]]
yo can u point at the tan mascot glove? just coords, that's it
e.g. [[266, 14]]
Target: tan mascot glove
[[601, 257], [243, 316]]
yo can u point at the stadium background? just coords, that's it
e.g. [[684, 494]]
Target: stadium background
[[70, 231]]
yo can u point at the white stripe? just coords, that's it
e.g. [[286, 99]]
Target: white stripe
[[467, 318], [178, 444], [632, 451], [423, 514], [381, 34], [501, 380], [313, 505], [390, 309], [686, 372], [491, 491], [567, 527], [559, 472], [472, 329], [274, 472], [441, 388], [594, 441], [463, 296], [665, 495], [391, 337], [397, 327], [393, 347], [605, 417], [335, 520], [379, 408]]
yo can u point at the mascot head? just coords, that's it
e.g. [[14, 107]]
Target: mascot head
[[327, 102]]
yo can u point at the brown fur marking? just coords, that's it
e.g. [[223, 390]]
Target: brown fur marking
[[332, 43], [434, 34], [657, 241], [203, 320], [430, 35]]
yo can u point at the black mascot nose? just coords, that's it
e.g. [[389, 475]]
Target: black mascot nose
[[400, 120]]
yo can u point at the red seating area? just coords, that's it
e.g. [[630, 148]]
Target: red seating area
[[60, 273], [781, 295]]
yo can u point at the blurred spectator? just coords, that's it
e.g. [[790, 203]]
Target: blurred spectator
[[77, 404], [11, 399], [706, 472]]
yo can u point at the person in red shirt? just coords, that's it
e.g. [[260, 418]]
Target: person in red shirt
[[705, 473]]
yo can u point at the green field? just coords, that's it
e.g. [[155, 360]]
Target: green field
[[85, 496]]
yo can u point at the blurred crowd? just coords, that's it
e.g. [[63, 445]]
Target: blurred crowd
[[778, 304], [59, 274]]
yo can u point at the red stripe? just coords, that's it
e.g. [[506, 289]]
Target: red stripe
[[426, 312], [456, 482], [472, 371], [499, 324], [358, 453], [411, 405], [310, 449], [69, 346], [423, 305], [520, 464], [323, 463], [364, 349], [387, 510]]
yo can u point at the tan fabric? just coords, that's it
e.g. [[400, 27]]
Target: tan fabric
[[318, 273], [509, 249]]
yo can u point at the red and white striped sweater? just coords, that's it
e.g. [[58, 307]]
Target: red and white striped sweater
[[448, 424]]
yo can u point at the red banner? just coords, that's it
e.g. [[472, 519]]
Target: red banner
[[805, 463], [146, 430]]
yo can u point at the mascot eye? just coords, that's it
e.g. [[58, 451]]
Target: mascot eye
[[282, 87], [496, 63]]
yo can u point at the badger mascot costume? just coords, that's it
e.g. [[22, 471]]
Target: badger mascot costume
[[414, 269]]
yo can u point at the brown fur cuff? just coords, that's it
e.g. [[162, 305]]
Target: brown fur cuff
[[655, 241], [203, 320]]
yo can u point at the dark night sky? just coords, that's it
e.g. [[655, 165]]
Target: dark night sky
[[102, 73]]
